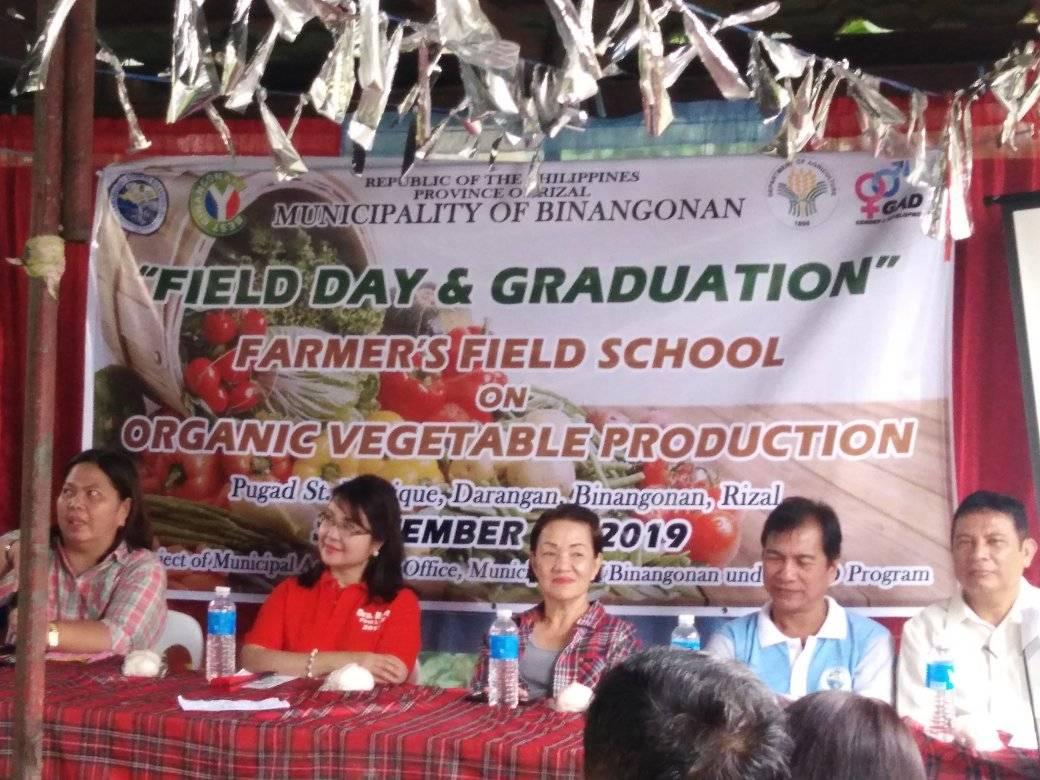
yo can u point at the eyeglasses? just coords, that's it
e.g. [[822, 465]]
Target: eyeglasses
[[349, 528]]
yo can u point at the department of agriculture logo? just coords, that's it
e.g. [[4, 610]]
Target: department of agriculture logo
[[140, 201], [802, 192], [215, 204]]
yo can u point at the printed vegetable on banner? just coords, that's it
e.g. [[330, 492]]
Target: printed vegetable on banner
[[677, 345]]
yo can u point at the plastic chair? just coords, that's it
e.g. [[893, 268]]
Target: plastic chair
[[183, 630]]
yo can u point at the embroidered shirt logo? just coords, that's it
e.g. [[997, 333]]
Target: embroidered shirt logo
[[836, 678], [372, 621]]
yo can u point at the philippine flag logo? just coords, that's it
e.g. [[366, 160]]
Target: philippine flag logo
[[215, 204]]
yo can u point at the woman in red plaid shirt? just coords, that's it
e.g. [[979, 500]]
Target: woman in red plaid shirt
[[107, 589], [566, 638]]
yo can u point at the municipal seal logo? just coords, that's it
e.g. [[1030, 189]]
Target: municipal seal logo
[[802, 192], [215, 204], [139, 201]]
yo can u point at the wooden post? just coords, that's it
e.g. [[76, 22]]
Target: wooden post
[[38, 423], [78, 172]]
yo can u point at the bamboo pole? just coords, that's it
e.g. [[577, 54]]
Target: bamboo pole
[[78, 170], [38, 439]]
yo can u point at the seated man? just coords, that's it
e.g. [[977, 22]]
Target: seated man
[[982, 624], [802, 640], [667, 713]]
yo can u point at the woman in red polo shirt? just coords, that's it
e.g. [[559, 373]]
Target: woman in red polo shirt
[[353, 606]]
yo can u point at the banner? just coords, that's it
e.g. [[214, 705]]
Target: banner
[[675, 344]]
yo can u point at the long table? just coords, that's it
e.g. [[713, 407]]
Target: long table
[[951, 761], [99, 724]]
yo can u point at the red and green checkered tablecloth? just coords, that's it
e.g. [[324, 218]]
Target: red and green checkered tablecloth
[[99, 724]]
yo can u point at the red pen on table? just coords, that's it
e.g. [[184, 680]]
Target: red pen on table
[[232, 681]]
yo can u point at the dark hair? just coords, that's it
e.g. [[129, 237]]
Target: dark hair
[[796, 511], [667, 713], [119, 467], [376, 499], [843, 736], [988, 501], [573, 512]]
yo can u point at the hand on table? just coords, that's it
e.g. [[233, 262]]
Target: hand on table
[[385, 668]]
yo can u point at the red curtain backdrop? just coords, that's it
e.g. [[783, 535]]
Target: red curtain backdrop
[[992, 450]]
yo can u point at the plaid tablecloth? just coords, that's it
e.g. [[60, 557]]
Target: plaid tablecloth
[[948, 761], [98, 724]]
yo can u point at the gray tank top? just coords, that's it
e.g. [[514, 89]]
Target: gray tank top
[[536, 669]]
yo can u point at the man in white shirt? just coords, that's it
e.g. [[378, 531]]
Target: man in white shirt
[[982, 625], [802, 640]]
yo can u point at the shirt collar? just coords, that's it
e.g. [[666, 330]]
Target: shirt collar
[[589, 619], [118, 555], [959, 611], [835, 625]]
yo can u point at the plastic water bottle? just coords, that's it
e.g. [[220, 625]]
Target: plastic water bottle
[[504, 660], [685, 636], [939, 680], [220, 635]]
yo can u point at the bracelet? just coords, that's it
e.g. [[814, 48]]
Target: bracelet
[[310, 663]]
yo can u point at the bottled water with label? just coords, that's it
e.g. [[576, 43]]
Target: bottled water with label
[[939, 680], [504, 660], [220, 635], [685, 636]]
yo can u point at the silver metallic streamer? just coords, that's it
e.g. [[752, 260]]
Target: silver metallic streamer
[[221, 127], [297, 114], [428, 70], [242, 93], [532, 180], [657, 105], [582, 66], [620, 49], [751, 16], [620, 17], [771, 98], [790, 63], [489, 93], [193, 75], [371, 34], [287, 162], [823, 106], [469, 34], [717, 62], [138, 141], [917, 137], [34, 70], [235, 50], [365, 122], [426, 149], [333, 87], [949, 216], [292, 15]]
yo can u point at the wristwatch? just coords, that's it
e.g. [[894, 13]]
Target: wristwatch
[[52, 635]]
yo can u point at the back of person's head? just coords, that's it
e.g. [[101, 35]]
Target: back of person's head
[[843, 736], [795, 511], [989, 501], [667, 714]]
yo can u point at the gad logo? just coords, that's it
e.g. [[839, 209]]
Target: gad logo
[[215, 204], [879, 192], [802, 193]]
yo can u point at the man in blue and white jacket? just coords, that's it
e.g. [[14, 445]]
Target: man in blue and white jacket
[[803, 640]]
